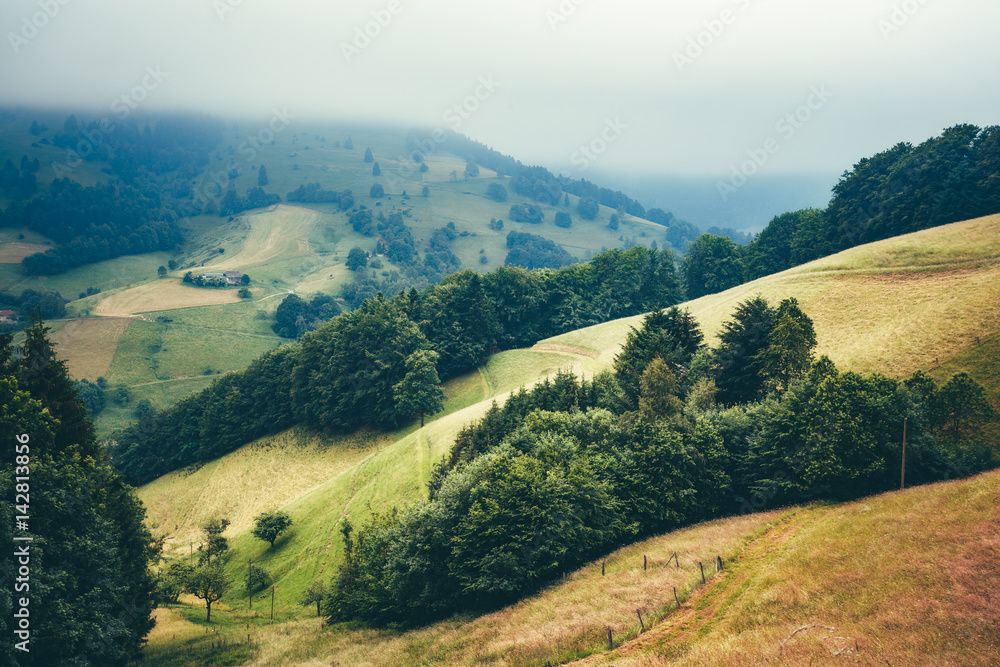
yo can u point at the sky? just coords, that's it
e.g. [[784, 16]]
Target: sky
[[718, 90]]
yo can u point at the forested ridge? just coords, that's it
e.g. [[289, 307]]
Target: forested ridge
[[343, 374], [572, 469], [949, 178]]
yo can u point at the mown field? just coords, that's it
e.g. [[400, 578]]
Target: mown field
[[392, 469]]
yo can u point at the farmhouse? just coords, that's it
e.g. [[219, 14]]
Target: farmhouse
[[231, 277]]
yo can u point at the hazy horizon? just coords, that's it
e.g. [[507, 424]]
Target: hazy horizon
[[701, 90]]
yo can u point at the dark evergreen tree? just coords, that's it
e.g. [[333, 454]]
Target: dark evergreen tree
[[712, 264]]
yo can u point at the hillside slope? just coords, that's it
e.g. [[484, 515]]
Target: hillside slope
[[907, 303], [904, 578], [944, 283]]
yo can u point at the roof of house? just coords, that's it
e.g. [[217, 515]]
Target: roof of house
[[232, 274]]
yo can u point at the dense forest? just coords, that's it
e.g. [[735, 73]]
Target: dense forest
[[136, 213], [343, 374], [89, 584], [574, 468], [93, 224]]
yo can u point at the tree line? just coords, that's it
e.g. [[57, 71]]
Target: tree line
[[343, 374], [91, 224], [543, 187], [906, 188], [572, 469]]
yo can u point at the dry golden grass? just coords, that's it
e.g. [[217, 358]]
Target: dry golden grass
[[563, 621], [89, 346], [165, 294], [905, 578], [15, 251], [244, 483], [895, 306]]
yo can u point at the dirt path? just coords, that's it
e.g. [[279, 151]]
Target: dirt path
[[709, 604], [564, 349]]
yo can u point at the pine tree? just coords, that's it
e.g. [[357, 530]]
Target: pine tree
[[262, 176], [91, 552]]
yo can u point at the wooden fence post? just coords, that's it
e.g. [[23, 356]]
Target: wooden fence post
[[611, 643], [641, 624], [644, 562], [603, 563], [702, 571], [675, 598]]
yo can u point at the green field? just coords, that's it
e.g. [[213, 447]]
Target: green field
[[382, 471]]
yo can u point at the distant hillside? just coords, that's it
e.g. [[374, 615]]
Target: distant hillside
[[175, 177]]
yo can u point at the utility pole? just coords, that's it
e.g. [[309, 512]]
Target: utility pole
[[272, 603], [902, 475], [250, 580]]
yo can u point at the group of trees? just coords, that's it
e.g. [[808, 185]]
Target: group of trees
[[19, 183], [92, 224], [209, 580], [50, 305], [542, 187], [531, 251], [530, 213], [178, 143], [315, 193], [232, 204], [296, 316], [90, 586], [907, 188], [571, 469], [904, 189], [346, 372]]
